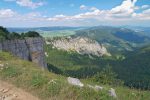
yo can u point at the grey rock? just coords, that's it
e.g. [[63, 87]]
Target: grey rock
[[112, 93], [75, 81], [90, 86], [31, 49], [98, 87], [81, 45], [1, 65]]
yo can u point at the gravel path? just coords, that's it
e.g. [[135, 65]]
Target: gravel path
[[10, 92]]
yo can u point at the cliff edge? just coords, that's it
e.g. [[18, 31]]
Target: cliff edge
[[31, 49]]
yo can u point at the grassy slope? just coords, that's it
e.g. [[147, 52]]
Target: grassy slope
[[31, 78]]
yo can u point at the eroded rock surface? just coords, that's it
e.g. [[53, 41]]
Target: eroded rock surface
[[81, 45], [75, 81], [31, 49], [112, 93]]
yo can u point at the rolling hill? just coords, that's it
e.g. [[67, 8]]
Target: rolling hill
[[115, 38]]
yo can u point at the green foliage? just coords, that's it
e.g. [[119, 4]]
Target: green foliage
[[15, 35], [6, 35], [11, 72], [72, 63], [52, 34], [38, 80], [54, 88], [31, 78], [106, 76], [135, 69], [115, 39], [5, 56], [31, 34]]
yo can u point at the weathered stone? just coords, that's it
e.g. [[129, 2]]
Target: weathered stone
[[112, 93], [75, 81], [81, 45], [5, 90], [90, 86], [98, 87], [1, 65], [31, 49], [46, 54]]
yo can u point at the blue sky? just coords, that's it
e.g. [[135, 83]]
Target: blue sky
[[35, 13]]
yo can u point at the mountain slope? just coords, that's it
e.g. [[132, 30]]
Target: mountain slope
[[43, 84], [133, 68], [47, 85], [115, 38], [136, 68], [80, 45]]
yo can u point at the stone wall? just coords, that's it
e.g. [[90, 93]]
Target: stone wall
[[31, 49]]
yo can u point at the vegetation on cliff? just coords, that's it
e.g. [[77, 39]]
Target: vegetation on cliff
[[6, 35]]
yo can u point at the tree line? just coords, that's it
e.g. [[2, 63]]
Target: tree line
[[6, 35]]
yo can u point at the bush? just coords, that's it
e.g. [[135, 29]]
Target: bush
[[107, 76], [15, 35], [31, 34], [6, 35]]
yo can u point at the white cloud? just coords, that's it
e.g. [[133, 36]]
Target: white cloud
[[83, 7], [145, 6], [93, 8], [123, 14], [127, 7], [5, 13], [27, 3]]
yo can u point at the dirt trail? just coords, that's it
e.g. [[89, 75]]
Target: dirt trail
[[10, 92]]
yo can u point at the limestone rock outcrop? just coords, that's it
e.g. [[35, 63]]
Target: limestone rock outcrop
[[82, 45], [31, 49]]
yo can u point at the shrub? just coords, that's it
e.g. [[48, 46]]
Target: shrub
[[107, 76], [4, 34], [31, 34]]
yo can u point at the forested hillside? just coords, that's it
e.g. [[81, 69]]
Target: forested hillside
[[133, 68], [115, 38]]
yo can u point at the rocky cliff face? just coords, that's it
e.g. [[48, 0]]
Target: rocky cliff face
[[81, 45], [31, 49]]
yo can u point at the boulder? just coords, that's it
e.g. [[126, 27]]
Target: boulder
[[98, 87], [75, 81], [112, 93], [90, 86], [1, 65]]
